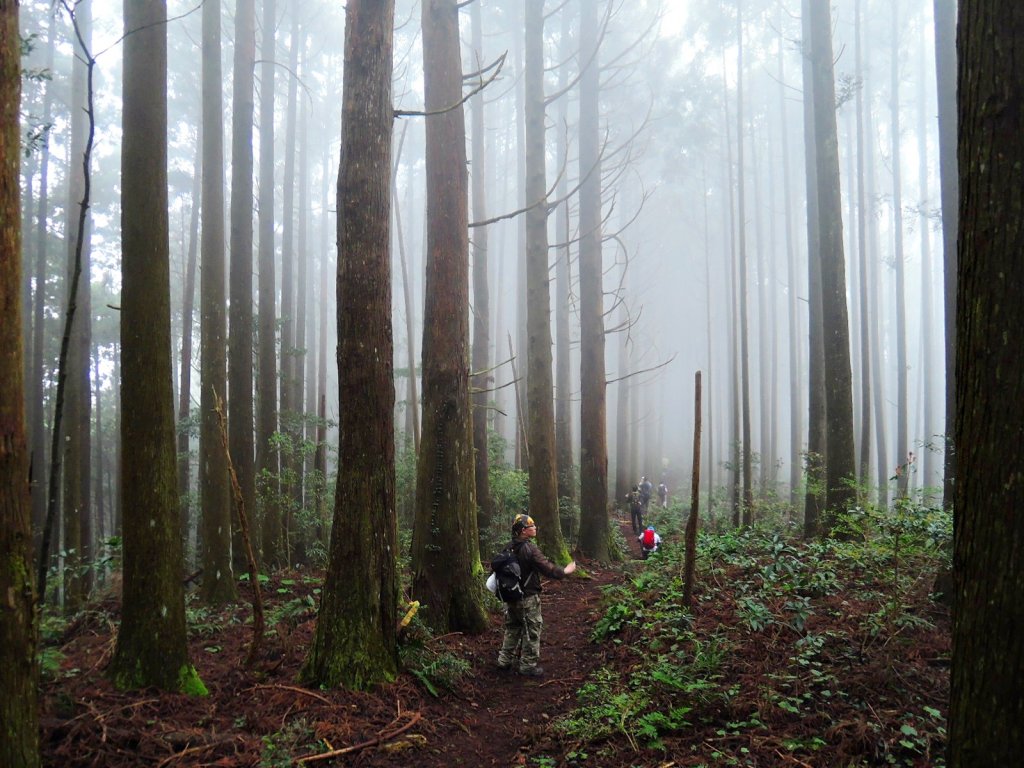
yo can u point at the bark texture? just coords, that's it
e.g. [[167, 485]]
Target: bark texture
[[445, 555], [539, 384], [986, 706], [214, 488], [840, 471], [19, 736], [354, 643], [152, 647], [593, 410], [267, 460], [240, 316]]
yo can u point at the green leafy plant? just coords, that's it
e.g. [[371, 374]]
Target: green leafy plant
[[437, 669]]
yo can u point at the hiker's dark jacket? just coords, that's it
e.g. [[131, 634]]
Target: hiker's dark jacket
[[532, 564]]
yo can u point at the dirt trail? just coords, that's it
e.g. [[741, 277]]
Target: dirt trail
[[501, 718], [263, 718]]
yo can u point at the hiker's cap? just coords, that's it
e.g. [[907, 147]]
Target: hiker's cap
[[521, 523]]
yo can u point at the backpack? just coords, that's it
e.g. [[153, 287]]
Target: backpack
[[510, 576], [648, 539]]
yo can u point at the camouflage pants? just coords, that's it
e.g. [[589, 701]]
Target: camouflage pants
[[523, 623]]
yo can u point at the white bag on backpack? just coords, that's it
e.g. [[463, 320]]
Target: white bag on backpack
[[492, 583]]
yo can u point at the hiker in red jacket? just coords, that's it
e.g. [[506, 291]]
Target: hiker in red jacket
[[649, 540]]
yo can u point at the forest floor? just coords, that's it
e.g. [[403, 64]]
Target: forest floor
[[487, 717]]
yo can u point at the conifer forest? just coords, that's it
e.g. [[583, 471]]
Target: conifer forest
[[703, 310]]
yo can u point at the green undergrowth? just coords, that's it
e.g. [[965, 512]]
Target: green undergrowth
[[434, 667], [795, 648]]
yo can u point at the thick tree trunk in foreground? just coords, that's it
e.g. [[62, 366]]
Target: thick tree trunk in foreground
[[19, 736], [152, 648], [354, 643], [445, 554], [986, 718]]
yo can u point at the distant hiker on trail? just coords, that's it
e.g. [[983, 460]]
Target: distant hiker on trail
[[523, 621], [645, 491], [663, 495], [636, 509], [650, 542]]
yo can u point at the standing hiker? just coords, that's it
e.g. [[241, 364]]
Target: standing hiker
[[663, 494], [636, 509], [645, 492], [523, 620]]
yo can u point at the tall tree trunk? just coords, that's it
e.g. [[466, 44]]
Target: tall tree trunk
[[483, 378], [77, 412], [864, 471], [267, 459], [945, 67], [563, 282], [902, 447], [593, 425], [354, 643], [412, 401], [840, 471], [540, 404], [19, 672], [304, 305], [876, 311], [792, 313], [214, 490], [97, 395], [929, 328], [37, 426], [731, 326], [240, 317], [185, 370], [445, 553], [741, 228], [522, 311], [623, 474], [320, 457], [816, 435], [707, 310], [986, 708], [289, 362], [152, 647]]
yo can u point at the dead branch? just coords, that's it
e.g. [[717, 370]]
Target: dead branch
[[519, 402], [641, 371], [193, 750], [382, 737], [65, 342], [293, 689], [415, 113]]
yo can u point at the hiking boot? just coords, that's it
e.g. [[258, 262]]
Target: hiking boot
[[503, 668], [532, 671]]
